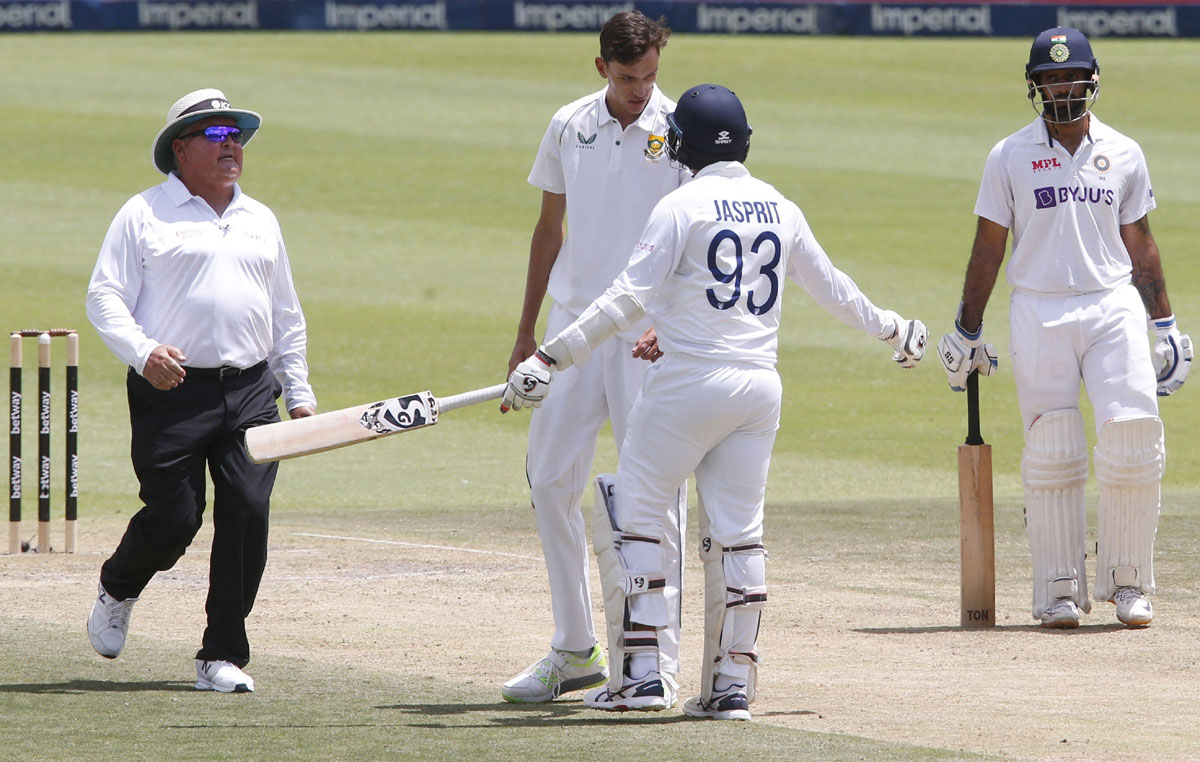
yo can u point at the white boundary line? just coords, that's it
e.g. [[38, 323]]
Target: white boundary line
[[414, 545]]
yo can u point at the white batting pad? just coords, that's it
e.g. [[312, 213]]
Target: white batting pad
[[620, 582], [1130, 460], [1054, 469], [735, 593]]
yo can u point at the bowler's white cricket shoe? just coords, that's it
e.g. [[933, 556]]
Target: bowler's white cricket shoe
[[223, 677], [1133, 607], [727, 705], [557, 673], [108, 623], [650, 694], [1064, 615]]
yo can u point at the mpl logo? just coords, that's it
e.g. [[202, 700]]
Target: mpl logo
[[1045, 197], [1041, 165]]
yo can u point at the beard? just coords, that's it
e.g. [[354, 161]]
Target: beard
[[1065, 110]]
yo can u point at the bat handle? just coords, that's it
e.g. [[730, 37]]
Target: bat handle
[[973, 435], [471, 398]]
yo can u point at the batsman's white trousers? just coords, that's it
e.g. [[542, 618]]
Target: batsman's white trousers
[[1099, 339], [562, 443], [708, 418]]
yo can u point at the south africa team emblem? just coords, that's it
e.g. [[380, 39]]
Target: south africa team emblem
[[654, 147]]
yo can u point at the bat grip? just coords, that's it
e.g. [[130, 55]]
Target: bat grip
[[973, 435], [455, 401]]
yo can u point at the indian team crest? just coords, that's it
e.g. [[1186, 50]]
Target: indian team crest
[[1059, 52], [1101, 163], [654, 147]]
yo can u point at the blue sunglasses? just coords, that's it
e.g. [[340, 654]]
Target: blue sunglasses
[[219, 133]]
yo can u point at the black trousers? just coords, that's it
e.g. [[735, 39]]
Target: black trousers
[[175, 435]]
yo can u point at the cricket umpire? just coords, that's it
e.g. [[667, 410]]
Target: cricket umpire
[[1087, 285], [193, 291]]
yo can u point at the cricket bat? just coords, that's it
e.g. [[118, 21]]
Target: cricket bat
[[362, 423], [975, 521]]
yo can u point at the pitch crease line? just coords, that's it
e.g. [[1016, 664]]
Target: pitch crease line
[[414, 545]]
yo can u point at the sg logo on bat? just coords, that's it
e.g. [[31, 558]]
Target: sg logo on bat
[[412, 411]]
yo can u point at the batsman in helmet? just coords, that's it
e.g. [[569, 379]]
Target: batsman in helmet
[[1087, 286], [709, 269]]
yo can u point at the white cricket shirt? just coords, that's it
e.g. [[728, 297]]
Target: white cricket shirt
[[710, 267], [1066, 212], [171, 271], [612, 178]]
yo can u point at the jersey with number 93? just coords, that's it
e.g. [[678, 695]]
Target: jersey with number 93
[[711, 264]]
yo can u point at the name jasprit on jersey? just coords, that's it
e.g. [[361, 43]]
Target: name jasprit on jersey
[[747, 211]]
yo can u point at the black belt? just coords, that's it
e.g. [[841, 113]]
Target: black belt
[[223, 372]]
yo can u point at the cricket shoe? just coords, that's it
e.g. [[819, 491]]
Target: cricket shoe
[[108, 623], [222, 677], [557, 673], [650, 694], [727, 705], [1063, 615], [1133, 607]]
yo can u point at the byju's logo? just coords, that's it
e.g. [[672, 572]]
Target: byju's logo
[[1050, 196]]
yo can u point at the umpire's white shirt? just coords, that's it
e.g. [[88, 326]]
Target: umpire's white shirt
[[219, 287], [710, 268], [612, 177], [1065, 211]]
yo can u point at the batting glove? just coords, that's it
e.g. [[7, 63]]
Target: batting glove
[[908, 338], [528, 384], [963, 352], [1172, 355]]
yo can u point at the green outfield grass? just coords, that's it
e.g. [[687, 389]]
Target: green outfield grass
[[396, 164]]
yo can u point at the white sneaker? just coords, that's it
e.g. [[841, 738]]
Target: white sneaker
[[223, 677], [1133, 607], [109, 623], [650, 694], [1064, 615], [729, 705], [557, 673]]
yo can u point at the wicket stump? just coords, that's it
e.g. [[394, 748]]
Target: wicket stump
[[44, 419]]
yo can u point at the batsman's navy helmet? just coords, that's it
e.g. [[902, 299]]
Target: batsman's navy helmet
[[708, 125], [1056, 49], [1060, 48]]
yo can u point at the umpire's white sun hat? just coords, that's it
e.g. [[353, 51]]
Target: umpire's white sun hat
[[192, 108]]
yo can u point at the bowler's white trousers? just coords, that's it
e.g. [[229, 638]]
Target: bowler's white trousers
[[1099, 339], [705, 417], [562, 443]]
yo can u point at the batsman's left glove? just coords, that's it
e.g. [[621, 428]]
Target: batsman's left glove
[[1172, 355], [528, 384]]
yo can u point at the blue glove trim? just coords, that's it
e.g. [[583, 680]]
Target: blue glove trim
[[967, 334]]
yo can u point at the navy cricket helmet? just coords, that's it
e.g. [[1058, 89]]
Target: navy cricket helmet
[[708, 125], [1058, 49]]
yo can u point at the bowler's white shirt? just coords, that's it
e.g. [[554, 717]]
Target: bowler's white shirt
[[693, 241], [612, 178], [171, 271], [1066, 212]]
